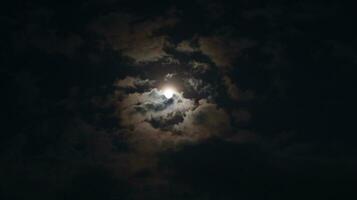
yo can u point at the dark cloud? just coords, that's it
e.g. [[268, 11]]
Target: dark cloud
[[223, 50], [199, 66], [204, 121], [134, 37], [199, 86], [134, 82], [226, 170], [235, 93], [262, 108]]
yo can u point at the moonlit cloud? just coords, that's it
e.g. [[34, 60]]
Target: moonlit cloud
[[173, 118], [199, 86], [140, 107], [204, 121]]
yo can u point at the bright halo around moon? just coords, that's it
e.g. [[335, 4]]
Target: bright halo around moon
[[168, 92]]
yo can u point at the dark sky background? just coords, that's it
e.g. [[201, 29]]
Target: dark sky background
[[263, 107]]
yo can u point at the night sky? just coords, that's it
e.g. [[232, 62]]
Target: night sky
[[178, 100]]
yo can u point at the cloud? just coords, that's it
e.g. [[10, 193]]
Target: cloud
[[150, 114], [204, 121], [243, 136], [199, 67], [223, 51], [242, 116], [169, 76], [133, 82], [153, 105], [235, 93], [199, 86], [185, 46], [213, 10], [134, 37]]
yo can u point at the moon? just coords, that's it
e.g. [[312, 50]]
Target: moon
[[169, 92]]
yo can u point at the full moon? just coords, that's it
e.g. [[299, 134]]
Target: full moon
[[169, 92]]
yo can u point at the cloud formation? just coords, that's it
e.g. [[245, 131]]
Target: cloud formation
[[134, 37], [85, 116], [133, 82], [205, 121], [151, 114], [222, 50], [139, 107], [236, 93], [185, 46]]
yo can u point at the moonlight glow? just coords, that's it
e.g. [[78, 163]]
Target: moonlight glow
[[169, 92]]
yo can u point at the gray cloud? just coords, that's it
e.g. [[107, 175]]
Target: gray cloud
[[133, 82], [134, 37], [185, 46], [222, 50], [242, 115], [236, 93], [199, 86], [204, 121], [199, 67]]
